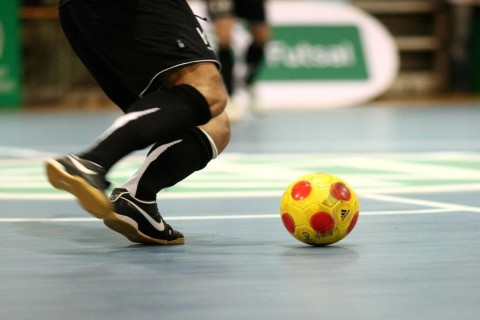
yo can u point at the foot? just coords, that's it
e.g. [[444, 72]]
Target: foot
[[140, 221], [82, 178]]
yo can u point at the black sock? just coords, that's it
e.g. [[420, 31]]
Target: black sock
[[155, 117], [227, 59], [168, 163], [254, 59]]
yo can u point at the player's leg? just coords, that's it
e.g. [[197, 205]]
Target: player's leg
[[148, 44], [226, 56], [224, 27], [135, 213], [166, 164], [136, 130], [197, 96], [194, 84], [109, 28], [173, 158], [222, 13], [254, 58], [169, 161], [254, 12], [256, 51]]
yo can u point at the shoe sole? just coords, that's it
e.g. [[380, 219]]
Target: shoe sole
[[91, 199], [130, 230], [95, 202]]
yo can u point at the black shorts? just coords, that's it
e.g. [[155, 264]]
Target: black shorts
[[127, 44], [251, 10]]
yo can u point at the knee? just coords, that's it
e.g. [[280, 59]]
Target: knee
[[219, 130], [206, 79], [217, 99], [215, 94]]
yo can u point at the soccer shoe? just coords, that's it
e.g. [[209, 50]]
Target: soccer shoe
[[82, 178], [140, 221]]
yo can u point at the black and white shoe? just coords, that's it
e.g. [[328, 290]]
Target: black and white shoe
[[82, 178], [140, 221]]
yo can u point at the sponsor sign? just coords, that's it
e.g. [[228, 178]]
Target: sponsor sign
[[322, 54], [10, 93]]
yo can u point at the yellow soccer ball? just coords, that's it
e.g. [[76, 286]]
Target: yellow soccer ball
[[319, 209]]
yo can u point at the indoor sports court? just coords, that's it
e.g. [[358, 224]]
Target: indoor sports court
[[413, 254], [402, 130]]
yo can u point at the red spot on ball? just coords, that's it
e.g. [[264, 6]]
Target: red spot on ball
[[340, 191], [353, 223], [288, 222], [301, 190], [322, 222]]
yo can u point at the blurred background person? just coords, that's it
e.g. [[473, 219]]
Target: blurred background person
[[465, 45], [225, 14]]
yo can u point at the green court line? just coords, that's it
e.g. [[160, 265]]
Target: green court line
[[241, 174]]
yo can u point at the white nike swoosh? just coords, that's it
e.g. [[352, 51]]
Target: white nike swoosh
[[160, 226], [123, 120], [80, 166]]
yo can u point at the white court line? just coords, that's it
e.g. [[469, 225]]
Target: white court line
[[23, 153], [220, 217], [419, 202]]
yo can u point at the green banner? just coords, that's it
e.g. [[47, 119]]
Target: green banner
[[10, 88], [316, 52]]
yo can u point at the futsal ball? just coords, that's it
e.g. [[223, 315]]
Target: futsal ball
[[319, 209]]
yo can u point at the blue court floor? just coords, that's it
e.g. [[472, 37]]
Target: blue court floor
[[414, 254]]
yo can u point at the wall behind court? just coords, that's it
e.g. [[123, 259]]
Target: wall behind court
[[52, 75]]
